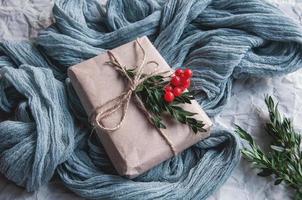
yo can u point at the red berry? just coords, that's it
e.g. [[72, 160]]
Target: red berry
[[183, 78], [188, 73], [168, 88], [186, 83], [177, 91], [169, 97], [176, 81], [179, 72], [182, 89]]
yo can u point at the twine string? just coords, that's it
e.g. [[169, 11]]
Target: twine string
[[122, 101]]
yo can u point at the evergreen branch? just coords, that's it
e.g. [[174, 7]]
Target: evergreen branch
[[284, 161], [151, 92]]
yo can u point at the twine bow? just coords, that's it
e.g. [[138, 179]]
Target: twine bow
[[122, 101]]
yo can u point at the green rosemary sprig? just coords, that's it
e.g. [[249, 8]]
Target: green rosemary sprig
[[151, 92], [284, 161]]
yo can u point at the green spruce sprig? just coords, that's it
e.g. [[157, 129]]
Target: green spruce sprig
[[284, 161]]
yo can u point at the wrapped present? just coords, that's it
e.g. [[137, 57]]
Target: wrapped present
[[107, 86]]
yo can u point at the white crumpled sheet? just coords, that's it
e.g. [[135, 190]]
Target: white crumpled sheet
[[246, 108], [22, 19]]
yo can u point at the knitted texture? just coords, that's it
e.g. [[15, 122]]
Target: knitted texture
[[45, 130]]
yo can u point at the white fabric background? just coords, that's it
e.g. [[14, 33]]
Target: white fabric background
[[21, 19], [246, 109]]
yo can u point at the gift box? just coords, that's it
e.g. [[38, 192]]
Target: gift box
[[136, 146]]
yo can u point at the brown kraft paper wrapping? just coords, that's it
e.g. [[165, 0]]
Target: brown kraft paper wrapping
[[137, 146]]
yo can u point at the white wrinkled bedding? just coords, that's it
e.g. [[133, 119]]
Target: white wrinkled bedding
[[246, 108]]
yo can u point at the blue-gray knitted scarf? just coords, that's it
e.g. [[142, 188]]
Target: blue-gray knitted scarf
[[44, 130]]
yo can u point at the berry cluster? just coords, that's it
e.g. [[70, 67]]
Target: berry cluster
[[180, 81]]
